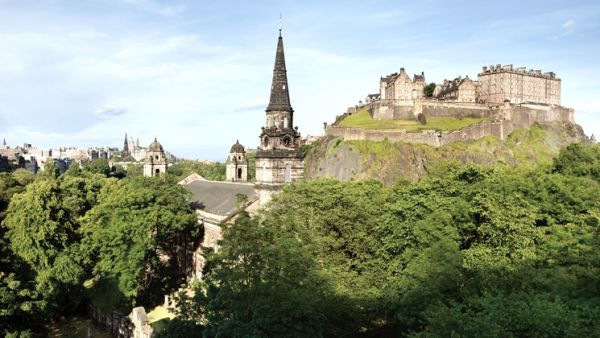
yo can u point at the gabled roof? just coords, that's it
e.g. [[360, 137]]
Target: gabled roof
[[219, 198]]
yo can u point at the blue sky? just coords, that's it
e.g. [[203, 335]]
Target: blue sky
[[196, 74]]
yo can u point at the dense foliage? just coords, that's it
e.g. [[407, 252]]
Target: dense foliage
[[209, 170], [470, 251], [82, 234]]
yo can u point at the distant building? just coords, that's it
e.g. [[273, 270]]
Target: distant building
[[156, 161], [132, 148], [237, 164]]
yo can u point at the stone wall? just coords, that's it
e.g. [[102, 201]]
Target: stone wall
[[513, 117], [114, 322], [500, 121], [456, 109]]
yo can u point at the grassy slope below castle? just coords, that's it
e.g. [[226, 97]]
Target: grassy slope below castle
[[391, 162], [362, 119]]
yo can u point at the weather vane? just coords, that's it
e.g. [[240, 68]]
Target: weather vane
[[280, 24]]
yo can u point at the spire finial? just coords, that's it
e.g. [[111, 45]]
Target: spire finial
[[280, 24]]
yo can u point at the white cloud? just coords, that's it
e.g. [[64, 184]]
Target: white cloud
[[567, 28], [110, 111]]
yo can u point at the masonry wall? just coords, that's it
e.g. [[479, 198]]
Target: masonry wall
[[501, 123], [458, 109]]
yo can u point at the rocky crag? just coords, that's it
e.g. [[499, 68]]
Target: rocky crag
[[391, 162]]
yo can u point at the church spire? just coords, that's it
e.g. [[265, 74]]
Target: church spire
[[280, 96], [125, 146]]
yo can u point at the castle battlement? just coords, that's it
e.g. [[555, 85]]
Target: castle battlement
[[493, 69]]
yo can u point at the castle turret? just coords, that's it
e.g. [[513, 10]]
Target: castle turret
[[278, 159]]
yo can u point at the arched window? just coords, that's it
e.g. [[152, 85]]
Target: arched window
[[157, 171], [156, 157]]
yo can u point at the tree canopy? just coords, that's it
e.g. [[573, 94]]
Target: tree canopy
[[469, 251]]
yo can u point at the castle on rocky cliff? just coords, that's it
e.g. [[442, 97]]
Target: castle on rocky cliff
[[505, 97]]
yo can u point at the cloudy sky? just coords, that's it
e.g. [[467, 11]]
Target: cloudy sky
[[196, 74]]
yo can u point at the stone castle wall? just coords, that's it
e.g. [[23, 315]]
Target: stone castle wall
[[500, 123]]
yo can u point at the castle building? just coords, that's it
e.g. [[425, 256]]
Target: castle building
[[237, 164], [518, 85], [459, 90], [156, 161], [400, 87], [278, 158]]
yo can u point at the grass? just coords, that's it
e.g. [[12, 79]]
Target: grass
[[158, 313], [76, 327], [362, 119]]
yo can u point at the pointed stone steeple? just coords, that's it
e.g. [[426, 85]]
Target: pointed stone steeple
[[125, 147], [279, 157], [4, 142], [280, 96]]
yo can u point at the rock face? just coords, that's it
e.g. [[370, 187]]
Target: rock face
[[391, 162]]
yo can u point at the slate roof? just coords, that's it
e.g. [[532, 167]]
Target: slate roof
[[451, 86], [218, 198]]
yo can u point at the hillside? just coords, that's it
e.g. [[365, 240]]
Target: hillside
[[391, 162]]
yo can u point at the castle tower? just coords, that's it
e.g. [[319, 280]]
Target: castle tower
[[237, 164], [278, 158], [156, 161], [125, 147]]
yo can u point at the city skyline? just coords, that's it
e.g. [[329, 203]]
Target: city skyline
[[197, 75]]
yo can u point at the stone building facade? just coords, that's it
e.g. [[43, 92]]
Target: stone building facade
[[156, 161], [459, 90], [401, 97], [518, 85], [400, 87], [237, 164], [279, 159]]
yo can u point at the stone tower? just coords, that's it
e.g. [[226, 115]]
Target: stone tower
[[125, 147], [278, 158], [156, 161], [237, 164]]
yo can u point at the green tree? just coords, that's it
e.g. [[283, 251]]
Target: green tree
[[133, 233], [579, 160], [429, 89], [43, 233], [99, 166]]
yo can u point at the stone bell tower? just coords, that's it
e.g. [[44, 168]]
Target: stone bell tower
[[155, 163], [237, 164], [278, 158]]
